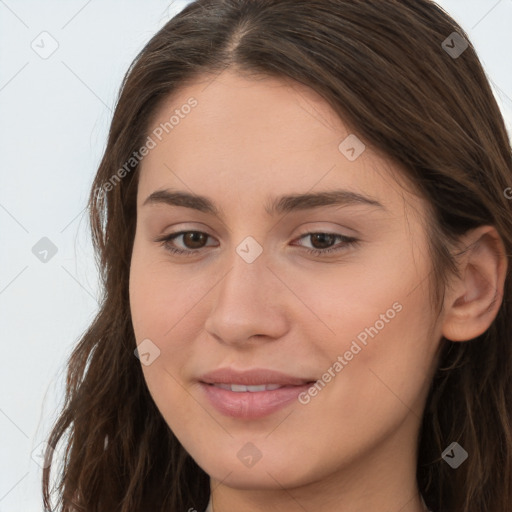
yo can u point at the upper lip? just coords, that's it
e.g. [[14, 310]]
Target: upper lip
[[254, 377]]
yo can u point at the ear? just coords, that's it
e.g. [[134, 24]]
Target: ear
[[473, 300]]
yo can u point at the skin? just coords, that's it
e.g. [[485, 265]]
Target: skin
[[352, 447]]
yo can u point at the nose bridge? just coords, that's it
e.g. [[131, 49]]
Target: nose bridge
[[244, 304], [247, 279], [248, 263]]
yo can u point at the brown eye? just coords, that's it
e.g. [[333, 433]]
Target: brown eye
[[194, 239], [324, 240], [322, 243]]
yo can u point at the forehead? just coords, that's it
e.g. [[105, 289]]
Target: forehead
[[251, 111], [228, 136]]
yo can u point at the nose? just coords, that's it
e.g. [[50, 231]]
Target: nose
[[249, 301]]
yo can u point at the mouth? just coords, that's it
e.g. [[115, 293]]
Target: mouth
[[240, 388], [253, 378], [252, 393]]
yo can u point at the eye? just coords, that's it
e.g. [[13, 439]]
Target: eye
[[194, 238], [197, 239], [327, 239]]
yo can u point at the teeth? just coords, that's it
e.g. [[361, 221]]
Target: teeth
[[239, 388]]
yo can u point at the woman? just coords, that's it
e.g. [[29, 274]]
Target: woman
[[304, 235]]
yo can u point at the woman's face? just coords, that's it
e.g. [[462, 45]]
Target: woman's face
[[249, 295]]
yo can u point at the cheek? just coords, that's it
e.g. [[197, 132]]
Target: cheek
[[375, 329], [390, 374], [163, 298], [156, 317], [164, 306]]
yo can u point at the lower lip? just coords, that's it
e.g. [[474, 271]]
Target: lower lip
[[251, 405]]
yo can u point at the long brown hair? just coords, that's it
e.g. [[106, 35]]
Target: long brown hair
[[385, 69]]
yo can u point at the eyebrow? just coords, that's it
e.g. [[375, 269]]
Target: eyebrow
[[274, 206]]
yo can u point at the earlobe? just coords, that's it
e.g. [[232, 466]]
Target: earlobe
[[473, 301]]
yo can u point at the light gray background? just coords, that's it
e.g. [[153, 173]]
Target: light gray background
[[54, 117]]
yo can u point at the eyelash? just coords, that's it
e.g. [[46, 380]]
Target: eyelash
[[347, 242]]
